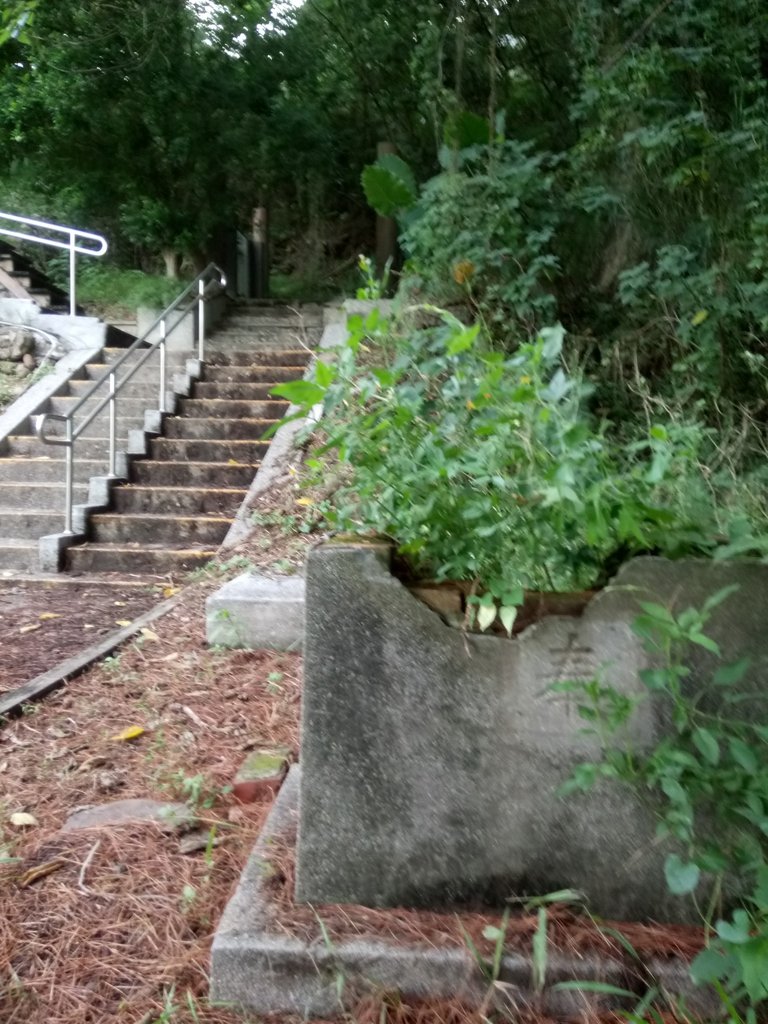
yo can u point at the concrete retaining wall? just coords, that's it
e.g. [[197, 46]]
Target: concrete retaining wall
[[431, 760]]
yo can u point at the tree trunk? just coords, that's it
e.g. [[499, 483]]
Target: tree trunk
[[171, 260]]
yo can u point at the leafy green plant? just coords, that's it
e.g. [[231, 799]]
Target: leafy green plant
[[483, 232], [373, 287], [490, 468], [708, 783], [389, 186]]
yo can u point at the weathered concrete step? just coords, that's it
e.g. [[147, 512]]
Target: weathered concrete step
[[172, 357], [259, 357], [145, 376], [29, 524], [193, 474], [42, 497], [136, 558], [44, 469], [19, 554], [254, 375], [98, 427], [127, 405], [230, 408], [246, 321], [288, 336], [85, 448], [217, 428], [242, 391], [161, 499], [126, 527], [147, 389], [179, 449]]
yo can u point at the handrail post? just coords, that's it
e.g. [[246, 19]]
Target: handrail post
[[161, 406], [72, 275], [200, 320], [69, 479], [112, 425]]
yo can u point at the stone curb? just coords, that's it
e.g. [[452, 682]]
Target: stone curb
[[254, 612], [258, 970]]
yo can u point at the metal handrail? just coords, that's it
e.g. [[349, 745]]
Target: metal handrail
[[71, 245], [212, 274]]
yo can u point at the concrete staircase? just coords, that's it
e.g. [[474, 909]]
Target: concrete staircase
[[182, 497], [20, 280], [32, 473]]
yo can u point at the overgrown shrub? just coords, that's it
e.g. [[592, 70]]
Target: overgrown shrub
[[490, 467]]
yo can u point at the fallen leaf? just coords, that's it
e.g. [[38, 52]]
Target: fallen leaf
[[31, 628], [149, 634], [122, 622], [45, 616], [170, 591], [22, 820], [232, 462], [35, 874], [131, 733], [304, 501]]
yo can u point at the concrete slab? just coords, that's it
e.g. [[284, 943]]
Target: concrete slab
[[257, 966], [254, 612], [433, 761]]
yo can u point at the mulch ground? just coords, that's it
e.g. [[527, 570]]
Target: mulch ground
[[45, 622], [115, 924]]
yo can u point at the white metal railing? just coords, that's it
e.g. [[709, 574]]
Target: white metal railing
[[200, 287], [76, 242], [52, 339]]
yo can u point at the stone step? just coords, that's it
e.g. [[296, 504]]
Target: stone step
[[193, 474], [245, 321], [19, 554], [42, 497], [215, 428], [147, 389], [231, 408], [260, 357], [269, 307], [177, 501], [98, 427], [45, 469], [250, 374], [173, 358], [87, 448], [137, 558], [127, 405], [239, 391], [29, 524], [168, 449], [41, 296], [146, 376], [170, 530], [287, 336]]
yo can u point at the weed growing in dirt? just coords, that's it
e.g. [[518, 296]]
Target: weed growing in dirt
[[198, 792], [712, 767], [212, 569]]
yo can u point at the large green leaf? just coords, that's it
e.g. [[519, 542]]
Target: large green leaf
[[388, 193]]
